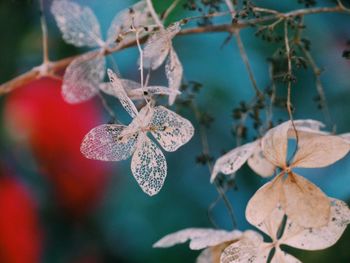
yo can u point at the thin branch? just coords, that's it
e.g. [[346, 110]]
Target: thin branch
[[154, 14], [221, 192], [170, 9], [289, 87], [44, 32], [58, 66]]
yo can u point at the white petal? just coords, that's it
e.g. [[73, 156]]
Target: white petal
[[78, 24], [158, 46], [105, 143], [249, 249], [137, 16], [174, 71], [82, 77], [208, 256], [259, 164], [148, 165], [320, 151], [274, 144], [305, 204], [233, 160], [199, 238], [170, 129], [322, 237], [264, 201], [119, 91]]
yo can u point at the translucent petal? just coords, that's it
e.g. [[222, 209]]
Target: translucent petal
[[174, 71], [119, 92], [305, 204], [199, 238], [322, 237], [137, 15], [274, 144], [170, 129], [158, 46], [233, 160], [249, 249], [82, 77], [264, 201], [259, 164], [148, 165], [105, 143], [283, 257], [78, 24], [320, 151], [207, 256]]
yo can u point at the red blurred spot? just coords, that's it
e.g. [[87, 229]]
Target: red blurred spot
[[54, 129], [20, 236]]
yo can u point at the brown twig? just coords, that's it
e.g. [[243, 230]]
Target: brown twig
[[56, 67]]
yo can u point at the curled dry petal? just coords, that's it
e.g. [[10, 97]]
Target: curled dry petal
[[259, 164], [136, 16], [78, 24], [304, 203], [120, 93], [158, 46], [234, 159], [264, 201], [199, 238], [173, 71], [320, 151], [148, 166], [322, 237], [170, 129], [105, 143], [82, 77]]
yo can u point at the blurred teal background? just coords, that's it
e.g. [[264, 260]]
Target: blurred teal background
[[122, 223]]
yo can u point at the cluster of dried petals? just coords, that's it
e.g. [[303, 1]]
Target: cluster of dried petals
[[252, 153], [157, 48], [212, 241], [112, 142], [284, 231], [80, 27], [303, 202]]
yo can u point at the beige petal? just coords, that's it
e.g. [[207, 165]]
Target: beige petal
[[272, 222], [249, 249], [259, 164], [345, 136], [322, 237], [320, 151], [264, 201], [212, 254], [304, 203], [282, 257], [233, 160], [274, 144]]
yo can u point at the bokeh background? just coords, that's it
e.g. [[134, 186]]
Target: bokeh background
[[57, 207]]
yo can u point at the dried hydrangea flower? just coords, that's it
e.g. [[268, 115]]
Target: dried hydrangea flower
[[113, 142], [252, 153], [211, 240], [303, 202], [284, 231], [79, 27], [135, 92], [158, 47]]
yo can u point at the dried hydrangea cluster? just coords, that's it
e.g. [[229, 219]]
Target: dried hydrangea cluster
[[84, 77], [289, 209]]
